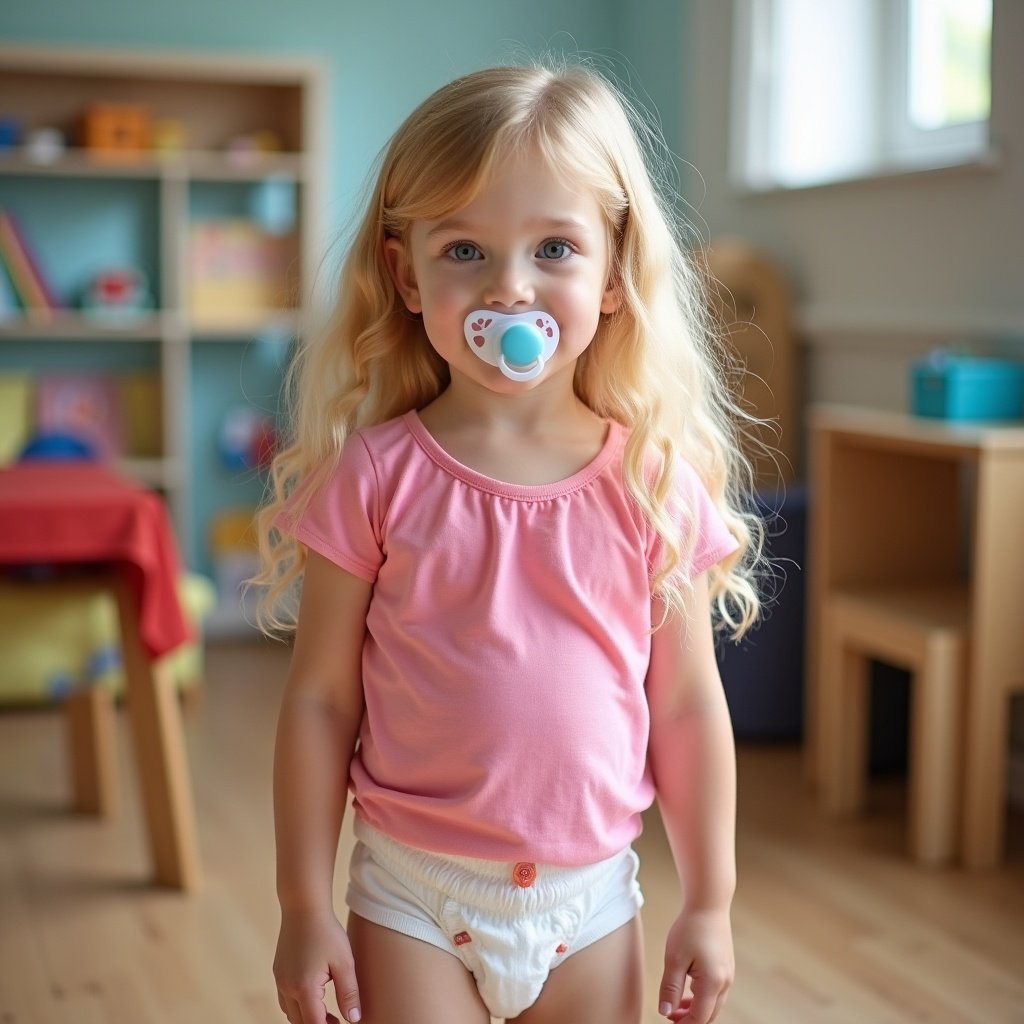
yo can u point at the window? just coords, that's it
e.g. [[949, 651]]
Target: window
[[829, 90]]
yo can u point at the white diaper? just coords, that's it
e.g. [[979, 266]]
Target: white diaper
[[510, 924]]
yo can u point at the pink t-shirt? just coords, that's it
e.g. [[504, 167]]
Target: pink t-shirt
[[507, 645]]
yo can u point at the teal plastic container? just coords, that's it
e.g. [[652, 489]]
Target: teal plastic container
[[967, 388]]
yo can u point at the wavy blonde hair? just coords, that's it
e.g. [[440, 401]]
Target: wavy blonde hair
[[656, 365]]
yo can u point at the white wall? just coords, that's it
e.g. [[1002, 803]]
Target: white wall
[[884, 269]]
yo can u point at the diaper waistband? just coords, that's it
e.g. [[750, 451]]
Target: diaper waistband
[[499, 887]]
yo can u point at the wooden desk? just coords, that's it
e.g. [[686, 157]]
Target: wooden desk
[[899, 500], [75, 513]]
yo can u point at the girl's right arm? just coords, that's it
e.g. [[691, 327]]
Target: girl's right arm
[[321, 712]]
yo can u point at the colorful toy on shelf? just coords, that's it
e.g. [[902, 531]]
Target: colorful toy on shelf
[[274, 204], [235, 559], [170, 136], [56, 446], [247, 439], [10, 133], [44, 145], [117, 131], [117, 292], [236, 270], [246, 150], [87, 406]]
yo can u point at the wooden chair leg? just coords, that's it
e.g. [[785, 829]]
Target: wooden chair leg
[[982, 839], [829, 703], [92, 740], [160, 757], [935, 751], [852, 741], [842, 751]]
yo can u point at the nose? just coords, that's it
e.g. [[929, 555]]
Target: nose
[[509, 284]]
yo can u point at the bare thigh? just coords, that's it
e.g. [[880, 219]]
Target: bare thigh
[[602, 984], [402, 979]]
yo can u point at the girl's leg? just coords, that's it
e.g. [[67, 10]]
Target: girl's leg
[[402, 979], [602, 984]]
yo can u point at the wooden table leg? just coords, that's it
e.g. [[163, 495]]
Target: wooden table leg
[[160, 756], [93, 745], [997, 653]]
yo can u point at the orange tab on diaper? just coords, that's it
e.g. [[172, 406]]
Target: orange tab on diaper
[[462, 938], [524, 874]]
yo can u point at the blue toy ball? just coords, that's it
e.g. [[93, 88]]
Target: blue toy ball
[[246, 439]]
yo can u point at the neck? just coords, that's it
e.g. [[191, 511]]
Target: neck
[[535, 436], [552, 404]]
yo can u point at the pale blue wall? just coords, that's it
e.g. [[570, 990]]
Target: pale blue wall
[[651, 34]]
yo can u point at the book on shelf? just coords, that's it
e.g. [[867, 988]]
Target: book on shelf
[[9, 306], [37, 297]]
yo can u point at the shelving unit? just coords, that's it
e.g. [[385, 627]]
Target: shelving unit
[[154, 196]]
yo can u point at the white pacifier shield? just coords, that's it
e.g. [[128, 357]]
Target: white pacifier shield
[[519, 344]]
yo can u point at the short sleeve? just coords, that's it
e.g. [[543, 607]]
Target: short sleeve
[[342, 519], [699, 523]]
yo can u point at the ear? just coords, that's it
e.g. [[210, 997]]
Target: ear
[[400, 268], [612, 297]]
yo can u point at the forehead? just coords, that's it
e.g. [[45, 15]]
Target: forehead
[[527, 191]]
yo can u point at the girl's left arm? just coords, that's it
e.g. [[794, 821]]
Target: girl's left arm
[[693, 762]]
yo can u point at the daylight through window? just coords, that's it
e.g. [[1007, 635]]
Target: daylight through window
[[842, 89]]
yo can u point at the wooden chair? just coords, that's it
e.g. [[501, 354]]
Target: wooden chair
[[62, 639], [924, 631], [753, 302]]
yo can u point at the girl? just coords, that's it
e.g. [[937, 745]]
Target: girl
[[511, 500]]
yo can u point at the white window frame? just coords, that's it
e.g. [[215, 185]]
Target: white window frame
[[909, 144], [886, 141]]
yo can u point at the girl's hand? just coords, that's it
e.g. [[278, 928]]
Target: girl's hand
[[699, 945], [313, 949]]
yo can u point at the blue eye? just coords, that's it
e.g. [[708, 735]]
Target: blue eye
[[555, 249], [463, 252]]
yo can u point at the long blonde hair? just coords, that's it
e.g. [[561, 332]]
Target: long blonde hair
[[655, 365]]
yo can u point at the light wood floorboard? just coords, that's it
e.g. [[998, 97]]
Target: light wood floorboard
[[833, 924]]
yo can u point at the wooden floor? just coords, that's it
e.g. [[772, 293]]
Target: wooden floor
[[833, 925]]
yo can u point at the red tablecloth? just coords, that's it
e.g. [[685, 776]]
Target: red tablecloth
[[75, 512]]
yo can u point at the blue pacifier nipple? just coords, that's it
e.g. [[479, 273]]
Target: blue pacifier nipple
[[519, 344]]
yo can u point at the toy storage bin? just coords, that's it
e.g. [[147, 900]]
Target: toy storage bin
[[967, 388]]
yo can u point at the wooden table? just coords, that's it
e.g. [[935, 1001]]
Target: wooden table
[[899, 500], [73, 514]]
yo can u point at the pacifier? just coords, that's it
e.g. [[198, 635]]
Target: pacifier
[[519, 344]]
